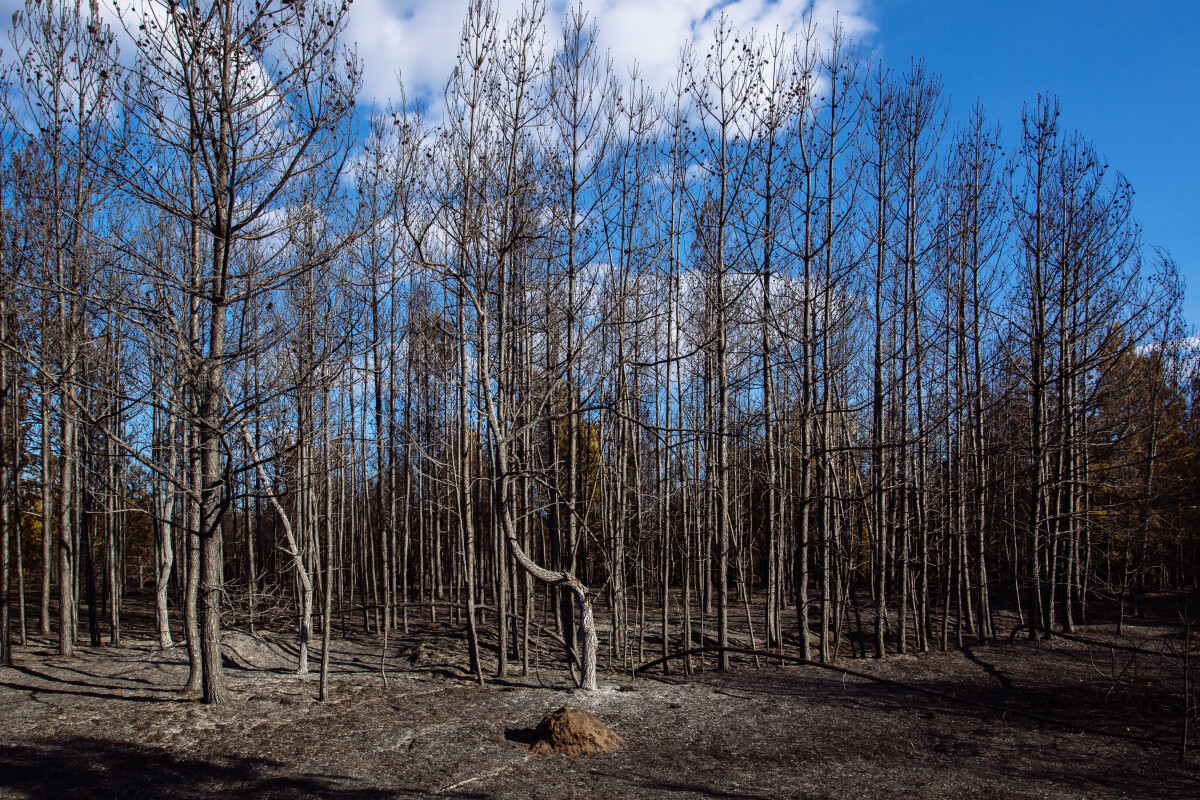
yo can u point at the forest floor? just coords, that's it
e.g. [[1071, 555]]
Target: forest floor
[[109, 723]]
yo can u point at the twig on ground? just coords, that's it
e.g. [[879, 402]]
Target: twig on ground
[[482, 776]]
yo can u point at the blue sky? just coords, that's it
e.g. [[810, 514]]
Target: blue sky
[[1128, 75]]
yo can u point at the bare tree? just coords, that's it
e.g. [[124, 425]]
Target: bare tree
[[228, 105]]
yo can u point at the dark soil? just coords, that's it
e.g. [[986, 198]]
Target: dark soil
[[108, 723]]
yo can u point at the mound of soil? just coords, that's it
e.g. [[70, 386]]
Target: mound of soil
[[242, 650], [573, 732]]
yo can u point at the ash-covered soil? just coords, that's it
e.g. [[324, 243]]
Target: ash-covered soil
[[109, 723]]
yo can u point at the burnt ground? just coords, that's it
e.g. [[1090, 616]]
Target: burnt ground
[[109, 723]]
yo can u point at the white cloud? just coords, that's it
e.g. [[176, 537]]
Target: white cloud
[[419, 38]]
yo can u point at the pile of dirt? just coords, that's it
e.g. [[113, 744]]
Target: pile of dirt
[[573, 732], [243, 650]]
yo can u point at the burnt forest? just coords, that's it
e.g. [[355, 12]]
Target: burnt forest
[[793, 430]]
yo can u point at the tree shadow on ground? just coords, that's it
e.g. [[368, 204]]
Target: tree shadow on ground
[[47, 683], [989, 668], [85, 767]]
